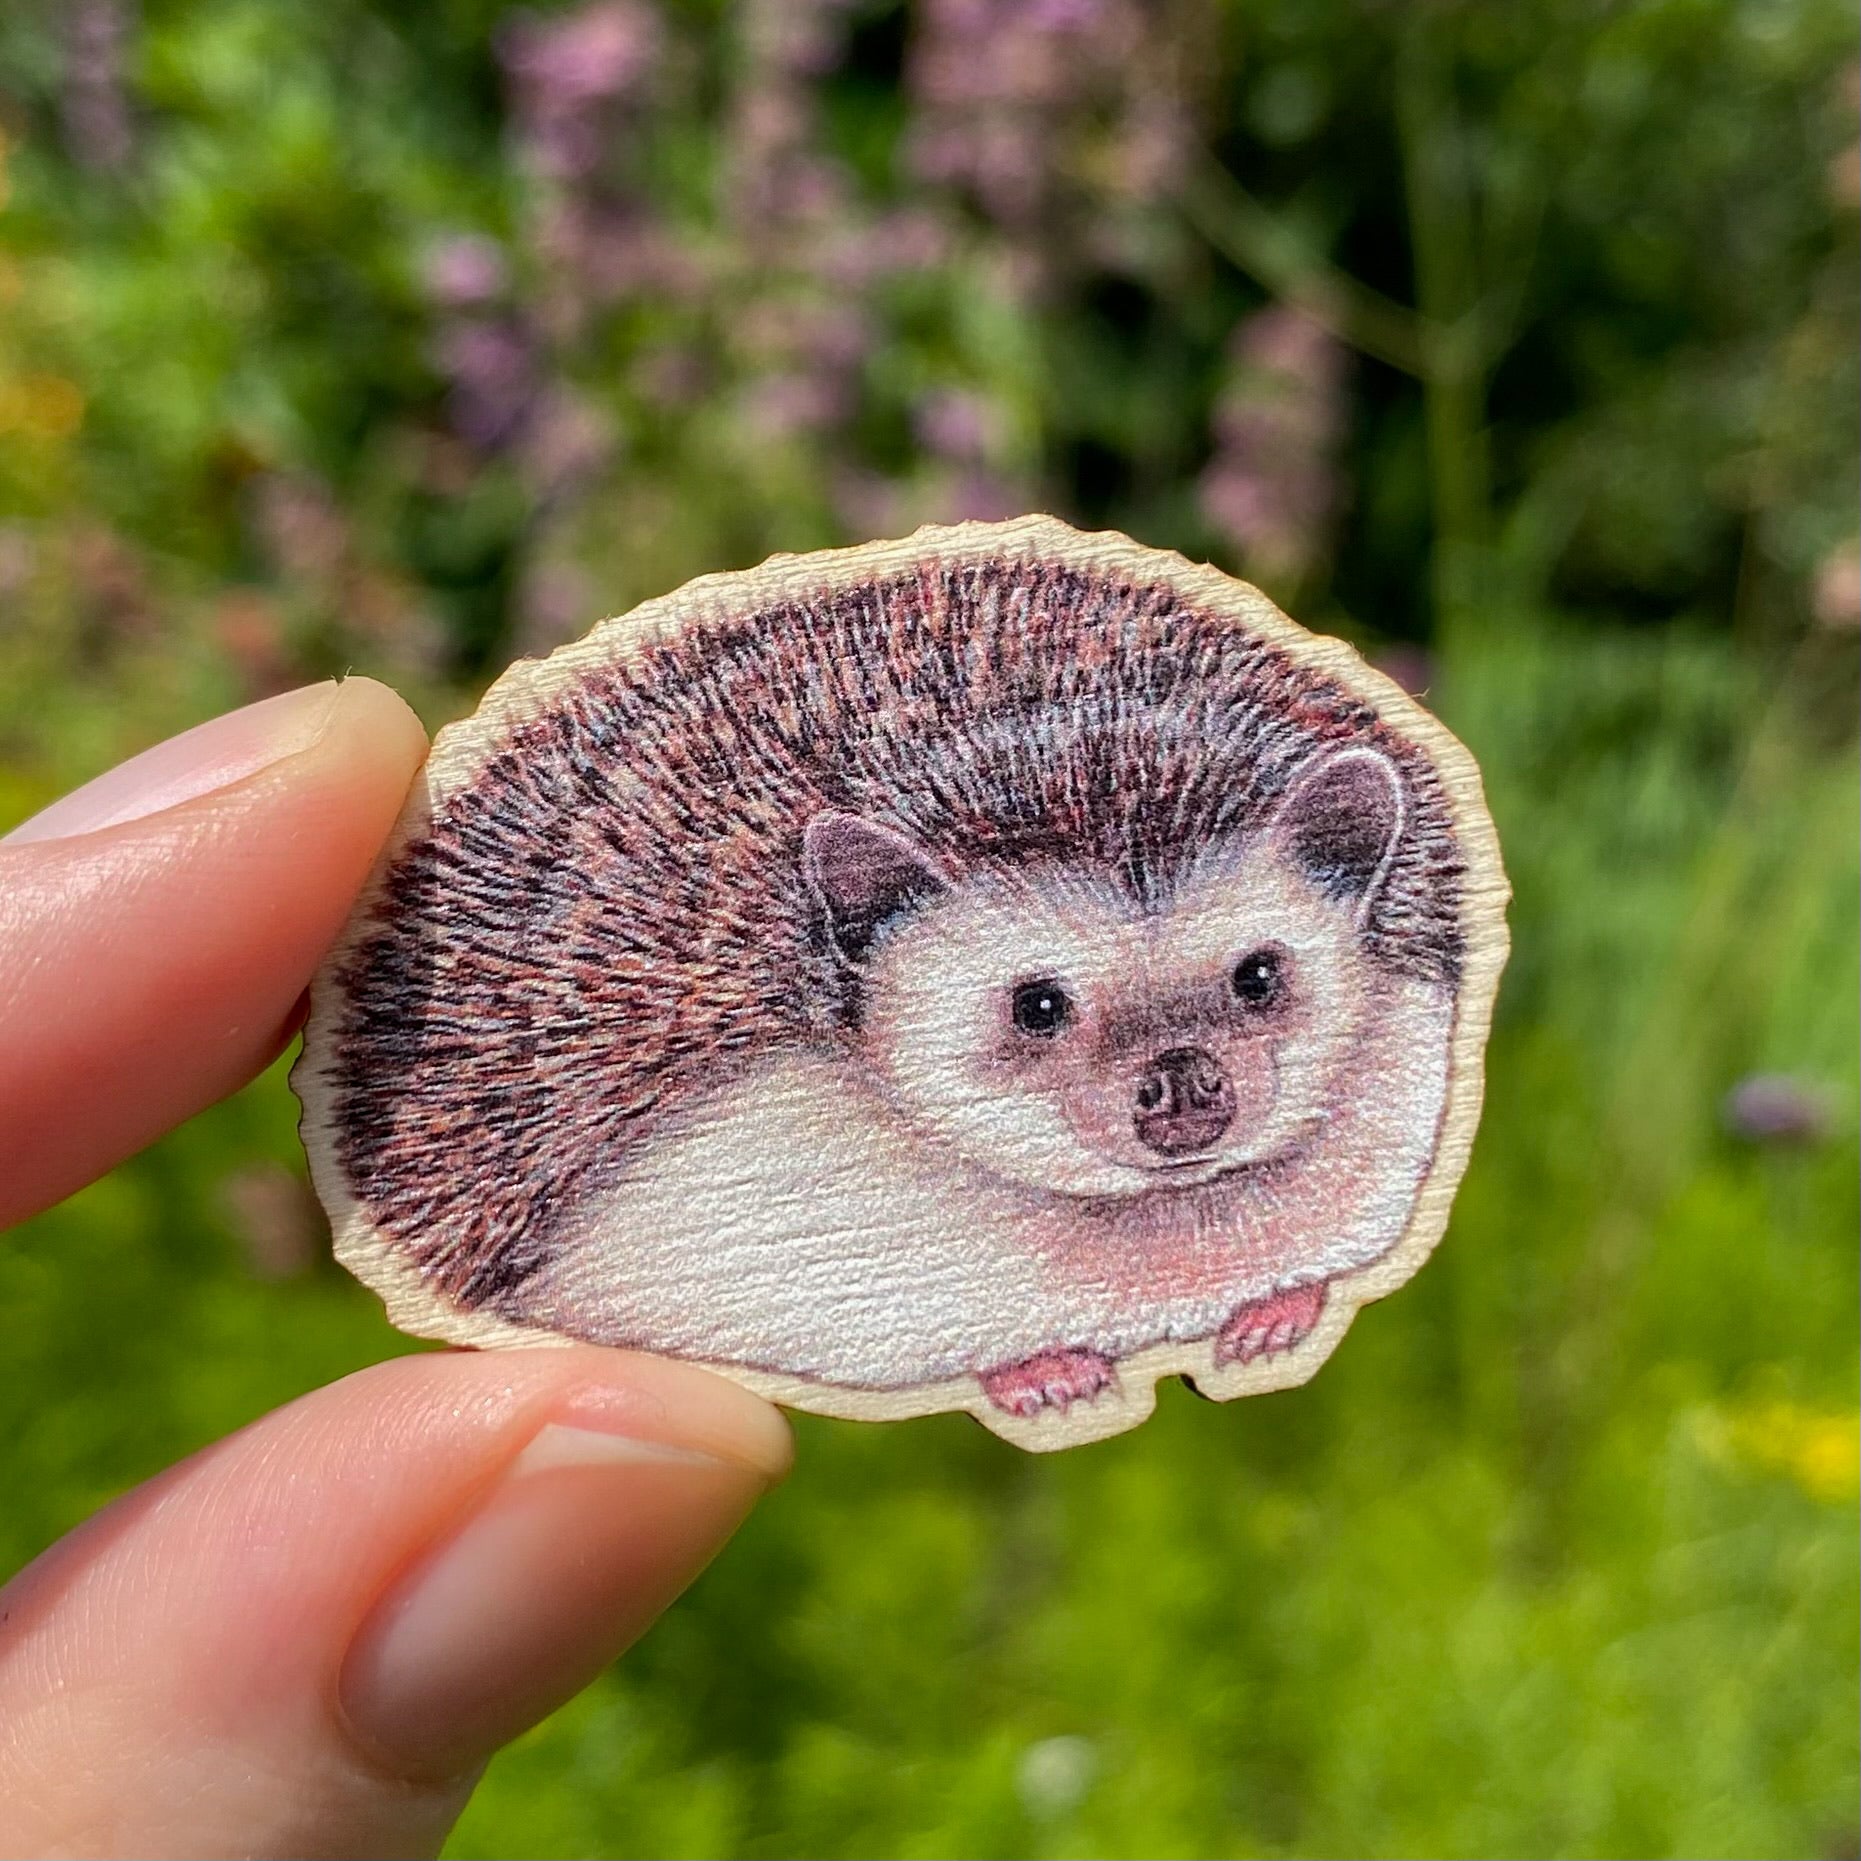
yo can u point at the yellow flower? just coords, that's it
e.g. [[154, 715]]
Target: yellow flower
[[1819, 1449], [41, 406]]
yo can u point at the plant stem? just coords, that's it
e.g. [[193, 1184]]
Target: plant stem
[[1259, 242], [1440, 206]]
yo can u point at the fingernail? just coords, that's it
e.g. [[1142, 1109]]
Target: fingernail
[[211, 756], [583, 1541]]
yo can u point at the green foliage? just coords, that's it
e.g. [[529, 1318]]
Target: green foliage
[[1557, 1555]]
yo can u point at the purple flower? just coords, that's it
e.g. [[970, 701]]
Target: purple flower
[[1776, 1108], [837, 336], [1008, 94], [1271, 488], [797, 38], [613, 249], [1081, 16], [570, 73], [303, 527], [957, 425], [780, 406], [93, 100], [465, 270], [908, 239], [588, 56], [779, 181], [492, 374], [1287, 342], [1151, 155], [568, 441]]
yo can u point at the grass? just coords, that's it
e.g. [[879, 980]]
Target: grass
[[1557, 1556]]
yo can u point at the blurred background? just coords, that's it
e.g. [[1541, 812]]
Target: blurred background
[[1517, 344]]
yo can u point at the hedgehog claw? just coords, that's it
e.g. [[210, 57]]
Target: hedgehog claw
[[1270, 1325], [1051, 1380]]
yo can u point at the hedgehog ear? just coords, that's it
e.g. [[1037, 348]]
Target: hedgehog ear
[[1339, 821], [864, 875]]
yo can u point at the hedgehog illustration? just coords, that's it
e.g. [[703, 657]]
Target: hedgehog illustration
[[989, 971]]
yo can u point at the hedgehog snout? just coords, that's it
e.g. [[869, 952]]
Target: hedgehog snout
[[1184, 1102]]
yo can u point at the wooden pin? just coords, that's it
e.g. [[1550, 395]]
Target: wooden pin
[[987, 971]]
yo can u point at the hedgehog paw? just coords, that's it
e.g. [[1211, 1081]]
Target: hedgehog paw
[[1270, 1325], [1052, 1380]]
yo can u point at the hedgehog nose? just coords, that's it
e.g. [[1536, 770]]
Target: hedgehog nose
[[1184, 1102]]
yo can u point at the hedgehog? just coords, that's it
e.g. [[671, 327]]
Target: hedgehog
[[955, 975]]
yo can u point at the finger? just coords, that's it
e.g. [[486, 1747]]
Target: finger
[[308, 1639], [158, 927]]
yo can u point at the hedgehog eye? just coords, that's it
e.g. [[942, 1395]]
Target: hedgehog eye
[[1259, 979], [1041, 1007]]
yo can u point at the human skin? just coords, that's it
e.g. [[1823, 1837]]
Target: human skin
[[308, 1638]]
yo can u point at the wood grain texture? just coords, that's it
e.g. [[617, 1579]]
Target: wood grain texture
[[434, 1293]]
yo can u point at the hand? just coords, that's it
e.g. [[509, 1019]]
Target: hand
[[307, 1639]]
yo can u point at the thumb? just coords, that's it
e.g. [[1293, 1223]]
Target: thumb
[[307, 1639], [158, 926]]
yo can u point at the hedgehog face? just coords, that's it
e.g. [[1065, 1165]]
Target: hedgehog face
[[1054, 1031]]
